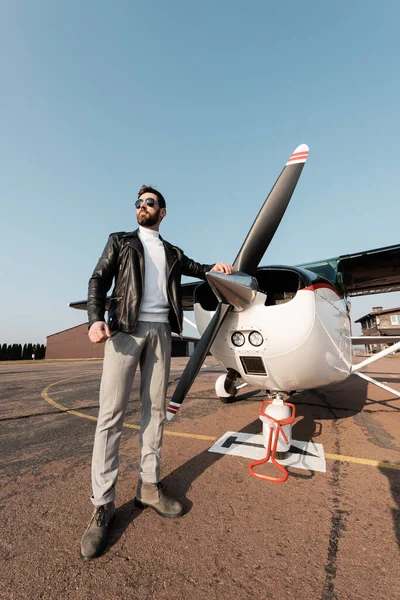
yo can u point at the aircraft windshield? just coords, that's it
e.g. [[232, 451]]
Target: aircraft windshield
[[326, 269]]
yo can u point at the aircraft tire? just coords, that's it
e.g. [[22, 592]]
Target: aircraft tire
[[221, 392]]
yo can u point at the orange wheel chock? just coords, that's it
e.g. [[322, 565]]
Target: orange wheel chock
[[272, 443]]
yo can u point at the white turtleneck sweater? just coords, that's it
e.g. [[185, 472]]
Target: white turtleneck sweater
[[155, 305]]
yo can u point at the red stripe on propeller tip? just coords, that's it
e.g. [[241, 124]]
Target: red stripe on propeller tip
[[173, 409], [298, 156]]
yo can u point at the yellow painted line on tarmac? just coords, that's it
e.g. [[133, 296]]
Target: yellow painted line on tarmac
[[195, 436], [363, 461], [45, 396]]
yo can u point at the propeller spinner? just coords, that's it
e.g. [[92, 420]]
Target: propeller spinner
[[239, 291]]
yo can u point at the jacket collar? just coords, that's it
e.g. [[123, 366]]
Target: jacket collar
[[135, 243]]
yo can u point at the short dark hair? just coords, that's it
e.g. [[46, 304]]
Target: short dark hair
[[149, 189]]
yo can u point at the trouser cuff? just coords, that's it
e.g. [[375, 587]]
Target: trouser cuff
[[110, 497], [149, 478]]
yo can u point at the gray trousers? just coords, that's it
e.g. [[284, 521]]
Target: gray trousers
[[150, 344]]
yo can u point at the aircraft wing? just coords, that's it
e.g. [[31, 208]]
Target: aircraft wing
[[359, 274], [82, 304], [187, 291], [362, 273], [374, 339]]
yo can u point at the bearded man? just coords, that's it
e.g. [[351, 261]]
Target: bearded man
[[145, 308]]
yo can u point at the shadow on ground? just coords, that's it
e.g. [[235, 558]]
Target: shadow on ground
[[313, 406], [394, 482]]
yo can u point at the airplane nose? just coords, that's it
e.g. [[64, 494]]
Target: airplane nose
[[239, 289]]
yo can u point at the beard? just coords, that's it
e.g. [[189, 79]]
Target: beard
[[145, 219]]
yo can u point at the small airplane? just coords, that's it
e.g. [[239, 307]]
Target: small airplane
[[283, 328]]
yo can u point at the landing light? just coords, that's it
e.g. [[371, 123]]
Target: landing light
[[238, 339], [255, 338]]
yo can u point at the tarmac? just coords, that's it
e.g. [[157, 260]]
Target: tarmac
[[320, 535]]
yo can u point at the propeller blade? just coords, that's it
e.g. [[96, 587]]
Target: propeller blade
[[196, 360], [240, 291], [271, 213]]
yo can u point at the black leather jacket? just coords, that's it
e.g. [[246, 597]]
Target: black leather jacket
[[123, 259]]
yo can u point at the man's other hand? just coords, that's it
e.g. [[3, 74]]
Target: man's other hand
[[223, 268], [99, 332]]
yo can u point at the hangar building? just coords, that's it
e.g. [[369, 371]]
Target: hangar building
[[75, 343]]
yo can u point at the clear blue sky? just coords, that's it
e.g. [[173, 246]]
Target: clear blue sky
[[205, 100]]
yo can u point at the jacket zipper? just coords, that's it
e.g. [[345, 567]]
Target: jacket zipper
[[121, 297], [141, 260]]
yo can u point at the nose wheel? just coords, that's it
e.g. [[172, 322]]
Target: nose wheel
[[225, 386]]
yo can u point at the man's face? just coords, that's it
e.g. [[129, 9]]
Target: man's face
[[147, 216]]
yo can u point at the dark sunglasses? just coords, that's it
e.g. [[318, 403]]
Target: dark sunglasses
[[149, 201]]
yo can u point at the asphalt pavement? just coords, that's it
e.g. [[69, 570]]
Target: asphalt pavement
[[320, 535]]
